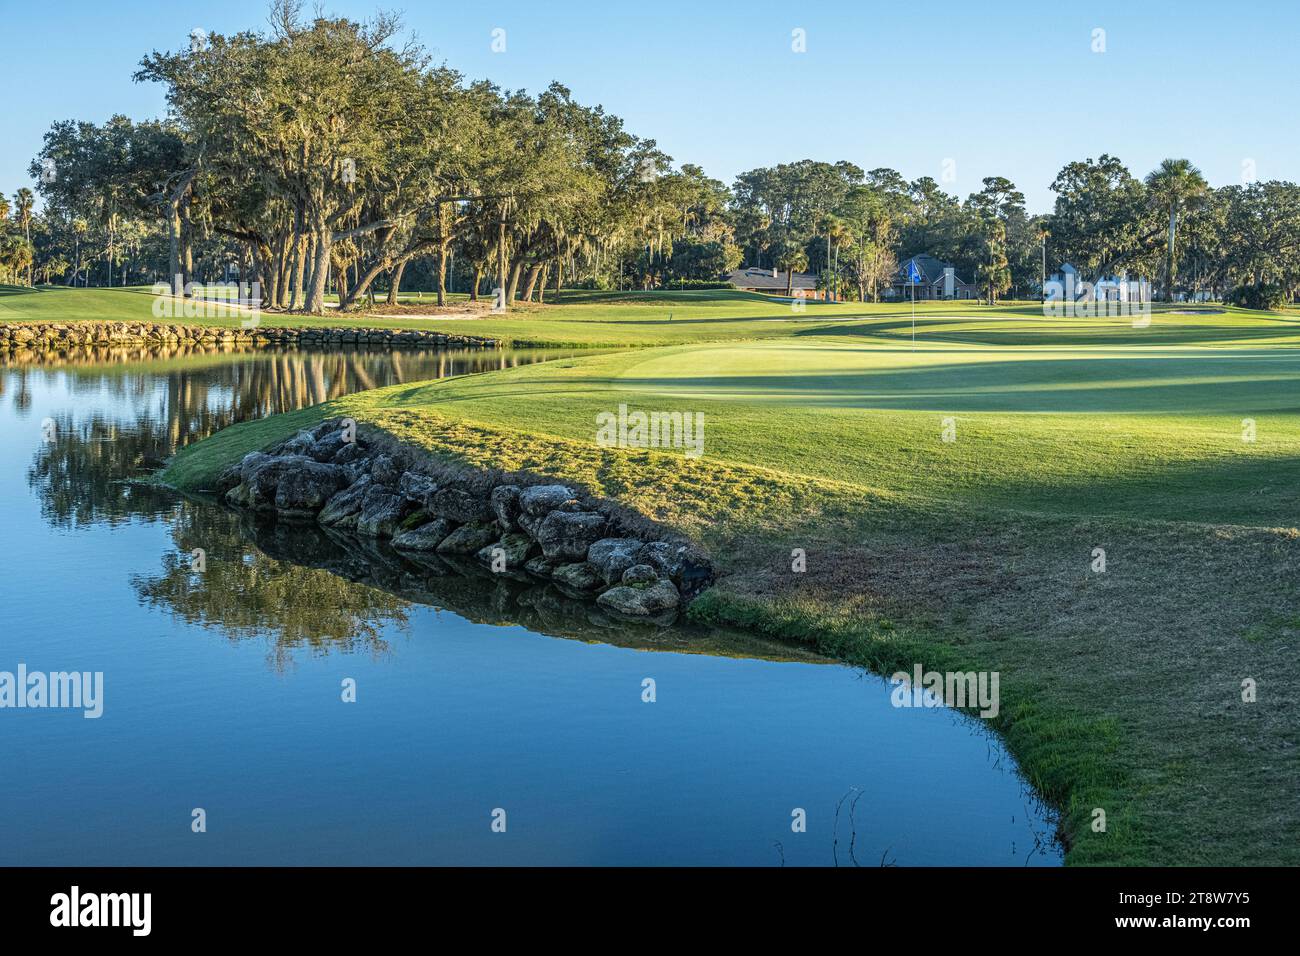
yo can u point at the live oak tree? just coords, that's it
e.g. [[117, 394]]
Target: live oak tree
[[867, 216], [1100, 221], [324, 154], [1261, 236]]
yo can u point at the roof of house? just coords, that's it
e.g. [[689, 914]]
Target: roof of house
[[763, 279], [930, 267]]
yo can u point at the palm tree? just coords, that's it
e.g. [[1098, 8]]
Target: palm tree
[[1176, 185], [793, 259], [24, 199], [79, 229], [838, 235]]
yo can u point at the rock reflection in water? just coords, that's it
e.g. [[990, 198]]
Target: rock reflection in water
[[304, 587]]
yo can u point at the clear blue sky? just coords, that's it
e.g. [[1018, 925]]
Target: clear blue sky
[[1010, 88]]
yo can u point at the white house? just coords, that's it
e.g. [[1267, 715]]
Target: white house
[[1066, 284]]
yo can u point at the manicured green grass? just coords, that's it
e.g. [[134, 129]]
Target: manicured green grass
[[1144, 433], [577, 319], [1121, 689]]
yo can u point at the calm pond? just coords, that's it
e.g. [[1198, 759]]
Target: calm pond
[[222, 687]]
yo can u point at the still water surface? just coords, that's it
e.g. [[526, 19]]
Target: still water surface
[[223, 688]]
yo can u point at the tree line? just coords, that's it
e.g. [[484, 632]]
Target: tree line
[[327, 156], [853, 227]]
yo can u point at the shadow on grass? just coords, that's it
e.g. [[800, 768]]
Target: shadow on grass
[[9, 290], [930, 328], [1119, 385]]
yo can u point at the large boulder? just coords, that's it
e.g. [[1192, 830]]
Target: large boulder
[[542, 566], [344, 508], [425, 537], [385, 471], [459, 504], [327, 427], [469, 538], [297, 444], [237, 496], [640, 574], [568, 534], [303, 491], [251, 462], [381, 512], [352, 454], [228, 479], [264, 479], [505, 505], [529, 524], [539, 500], [612, 556], [641, 601], [515, 548], [684, 564], [579, 576], [664, 557], [326, 446], [416, 487]]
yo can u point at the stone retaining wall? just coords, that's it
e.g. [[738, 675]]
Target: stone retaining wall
[[53, 335], [511, 524]]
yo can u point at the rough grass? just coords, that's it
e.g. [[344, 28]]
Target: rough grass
[[1121, 690]]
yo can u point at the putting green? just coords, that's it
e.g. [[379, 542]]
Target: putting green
[[943, 377]]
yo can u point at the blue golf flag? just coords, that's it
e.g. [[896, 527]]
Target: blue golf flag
[[913, 273]]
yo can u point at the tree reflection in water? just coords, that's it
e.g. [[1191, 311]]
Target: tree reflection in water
[[152, 402], [144, 404], [299, 586], [245, 593]]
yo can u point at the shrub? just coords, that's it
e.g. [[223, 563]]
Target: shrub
[[1264, 296], [696, 284]]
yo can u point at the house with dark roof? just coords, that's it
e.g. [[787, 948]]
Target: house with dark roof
[[773, 282], [938, 280]]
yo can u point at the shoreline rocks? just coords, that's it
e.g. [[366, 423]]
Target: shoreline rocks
[[62, 335], [507, 524]]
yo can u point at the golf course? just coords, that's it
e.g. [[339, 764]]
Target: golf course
[[446, 438], [1105, 514], [1102, 511]]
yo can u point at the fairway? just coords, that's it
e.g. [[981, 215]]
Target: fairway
[[1133, 430]]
